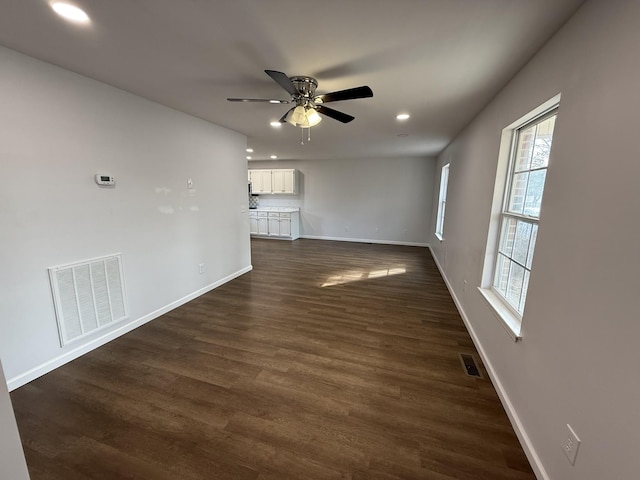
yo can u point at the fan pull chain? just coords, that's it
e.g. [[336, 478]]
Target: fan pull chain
[[308, 135]]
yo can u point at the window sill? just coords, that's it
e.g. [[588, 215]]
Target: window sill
[[511, 323]]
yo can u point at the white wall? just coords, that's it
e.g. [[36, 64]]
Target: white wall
[[378, 200], [577, 361], [12, 463], [58, 129]]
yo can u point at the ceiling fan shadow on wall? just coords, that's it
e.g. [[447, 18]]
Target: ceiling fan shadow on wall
[[307, 105]]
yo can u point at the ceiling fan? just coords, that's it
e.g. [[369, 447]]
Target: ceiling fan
[[308, 105]]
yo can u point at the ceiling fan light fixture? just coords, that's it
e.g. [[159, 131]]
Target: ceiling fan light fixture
[[303, 117], [297, 116], [313, 117]]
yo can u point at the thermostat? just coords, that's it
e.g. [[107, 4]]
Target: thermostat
[[105, 180]]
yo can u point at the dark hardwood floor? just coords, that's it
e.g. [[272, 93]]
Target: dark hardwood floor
[[329, 360]]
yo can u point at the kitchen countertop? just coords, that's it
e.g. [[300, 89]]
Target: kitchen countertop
[[275, 209]]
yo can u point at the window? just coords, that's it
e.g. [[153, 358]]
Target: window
[[523, 163], [442, 201]]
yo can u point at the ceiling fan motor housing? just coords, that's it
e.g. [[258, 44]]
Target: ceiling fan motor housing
[[306, 86]]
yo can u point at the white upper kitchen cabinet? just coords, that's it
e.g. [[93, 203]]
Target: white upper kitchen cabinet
[[284, 181], [260, 181], [277, 181]]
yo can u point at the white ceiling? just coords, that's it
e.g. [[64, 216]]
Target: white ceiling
[[439, 60]]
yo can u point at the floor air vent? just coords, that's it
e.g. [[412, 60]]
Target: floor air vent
[[469, 364], [88, 296]]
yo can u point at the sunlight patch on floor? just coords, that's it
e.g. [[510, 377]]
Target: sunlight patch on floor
[[350, 276]]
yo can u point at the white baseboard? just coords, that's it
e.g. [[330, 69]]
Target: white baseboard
[[364, 240], [518, 427], [66, 357]]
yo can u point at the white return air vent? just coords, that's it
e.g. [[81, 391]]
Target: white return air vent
[[88, 296]]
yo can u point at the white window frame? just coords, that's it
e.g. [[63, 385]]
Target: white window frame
[[510, 318], [442, 201]]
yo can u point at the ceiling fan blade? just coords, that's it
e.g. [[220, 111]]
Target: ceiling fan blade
[[267, 100], [335, 114], [349, 94], [284, 117], [284, 81]]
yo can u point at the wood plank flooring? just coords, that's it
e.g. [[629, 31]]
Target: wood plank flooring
[[329, 360]]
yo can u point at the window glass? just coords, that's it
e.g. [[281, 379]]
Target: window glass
[[519, 220], [442, 201]]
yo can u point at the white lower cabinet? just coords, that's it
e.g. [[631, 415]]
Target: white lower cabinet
[[263, 223], [285, 224], [280, 224], [276, 224], [253, 223]]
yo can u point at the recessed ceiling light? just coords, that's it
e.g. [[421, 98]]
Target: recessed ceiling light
[[249, 150], [402, 116], [275, 124], [273, 157], [70, 12], [248, 157]]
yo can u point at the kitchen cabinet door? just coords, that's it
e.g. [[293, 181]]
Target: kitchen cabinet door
[[263, 225], [284, 181], [253, 224], [260, 181], [274, 225], [285, 227]]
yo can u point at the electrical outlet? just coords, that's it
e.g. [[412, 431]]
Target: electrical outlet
[[571, 444], [201, 268]]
